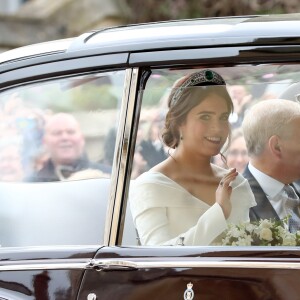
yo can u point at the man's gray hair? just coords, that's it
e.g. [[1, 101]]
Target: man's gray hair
[[265, 119]]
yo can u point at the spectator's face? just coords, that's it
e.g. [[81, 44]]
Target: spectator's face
[[63, 139], [238, 93], [10, 164], [237, 154]]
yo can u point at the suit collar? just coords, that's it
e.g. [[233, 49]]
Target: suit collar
[[263, 209], [269, 185]]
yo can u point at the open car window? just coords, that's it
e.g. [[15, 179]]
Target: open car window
[[56, 154], [164, 206]]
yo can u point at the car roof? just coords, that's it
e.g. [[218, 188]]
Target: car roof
[[241, 30], [34, 50], [195, 32]]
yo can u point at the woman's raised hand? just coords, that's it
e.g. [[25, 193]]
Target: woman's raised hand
[[224, 191]]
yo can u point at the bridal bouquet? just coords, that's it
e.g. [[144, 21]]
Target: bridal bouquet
[[262, 233]]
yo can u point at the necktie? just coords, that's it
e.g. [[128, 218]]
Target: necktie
[[292, 206]]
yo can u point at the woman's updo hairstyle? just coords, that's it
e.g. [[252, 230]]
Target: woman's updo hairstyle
[[186, 93]]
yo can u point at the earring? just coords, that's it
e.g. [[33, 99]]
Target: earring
[[181, 137]]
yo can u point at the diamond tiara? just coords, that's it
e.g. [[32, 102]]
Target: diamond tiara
[[203, 76]]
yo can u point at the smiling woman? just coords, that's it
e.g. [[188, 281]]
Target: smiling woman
[[186, 185]]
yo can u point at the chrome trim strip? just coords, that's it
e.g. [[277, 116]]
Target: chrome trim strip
[[114, 264], [117, 157], [107, 264], [124, 156], [46, 264], [120, 158]]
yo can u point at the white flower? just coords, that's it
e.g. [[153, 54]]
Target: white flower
[[244, 241], [261, 233], [266, 234], [241, 242], [249, 240], [235, 232], [265, 223], [249, 227], [225, 241], [289, 240]]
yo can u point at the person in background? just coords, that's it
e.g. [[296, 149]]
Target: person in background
[[187, 200], [109, 146], [271, 131], [30, 123], [241, 101], [40, 159], [151, 147], [65, 144], [11, 167], [139, 163], [237, 154]]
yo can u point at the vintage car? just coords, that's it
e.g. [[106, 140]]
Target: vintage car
[[70, 233]]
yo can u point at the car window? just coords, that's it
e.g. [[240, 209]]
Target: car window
[[56, 155], [171, 204]]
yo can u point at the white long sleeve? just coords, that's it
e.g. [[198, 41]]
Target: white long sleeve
[[164, 212]]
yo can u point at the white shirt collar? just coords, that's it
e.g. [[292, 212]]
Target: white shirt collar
[[270, 186]]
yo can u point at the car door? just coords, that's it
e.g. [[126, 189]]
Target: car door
[[53, 214], [128, 270]]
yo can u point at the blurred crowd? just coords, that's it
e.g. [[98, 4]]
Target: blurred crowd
[[39, 145], [31, 150], [21, 133], [150, 149]]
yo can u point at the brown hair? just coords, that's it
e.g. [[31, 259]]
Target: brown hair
[[190, 97]]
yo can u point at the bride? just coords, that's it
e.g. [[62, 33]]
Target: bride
[[187, 200]]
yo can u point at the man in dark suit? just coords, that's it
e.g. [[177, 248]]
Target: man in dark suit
[[272, 135], [264, 208]]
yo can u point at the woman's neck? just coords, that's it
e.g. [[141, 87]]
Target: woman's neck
[[189, 162]]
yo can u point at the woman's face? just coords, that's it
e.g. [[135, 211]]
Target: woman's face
[[206, 127], [237, 156]]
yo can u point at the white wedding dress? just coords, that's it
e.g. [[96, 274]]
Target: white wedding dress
[[164, 213]]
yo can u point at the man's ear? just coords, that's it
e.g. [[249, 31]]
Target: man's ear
[[274, 145]]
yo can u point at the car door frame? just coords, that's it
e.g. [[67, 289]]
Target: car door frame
[[267, 263], [141, 63], [42, 265]]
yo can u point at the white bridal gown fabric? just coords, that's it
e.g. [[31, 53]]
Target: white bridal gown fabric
[[164, 213]]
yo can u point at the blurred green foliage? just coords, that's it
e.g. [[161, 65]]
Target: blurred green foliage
[[154, 10], [94, 97], [83, 98]]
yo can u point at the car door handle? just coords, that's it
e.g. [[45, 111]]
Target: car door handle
[[113, 265]]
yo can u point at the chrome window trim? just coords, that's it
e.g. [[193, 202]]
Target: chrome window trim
[[46, 264], [120, 156], [108, 264]]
